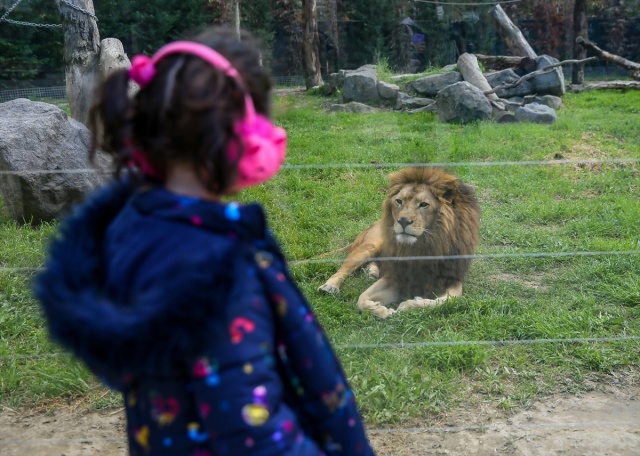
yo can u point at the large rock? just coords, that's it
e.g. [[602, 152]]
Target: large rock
[[429, 86], [113, 57], [462, 102], [551, 83], [537, 113], [37, 137], [406, 101], [361, 85], [508, 76], [388, 92]]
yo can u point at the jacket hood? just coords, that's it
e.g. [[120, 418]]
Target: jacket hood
[[121, 339]]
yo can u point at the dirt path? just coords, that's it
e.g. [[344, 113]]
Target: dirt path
[[596, 423]]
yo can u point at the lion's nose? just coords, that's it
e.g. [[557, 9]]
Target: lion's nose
[[404, 222]]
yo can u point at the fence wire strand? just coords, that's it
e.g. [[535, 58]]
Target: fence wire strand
[[479, 256], [399, 345], [373, 165], [403, 345]]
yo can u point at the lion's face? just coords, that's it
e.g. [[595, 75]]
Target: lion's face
[[414, 209]]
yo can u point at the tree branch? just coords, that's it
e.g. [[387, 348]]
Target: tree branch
[[633, 67], [541, 71]]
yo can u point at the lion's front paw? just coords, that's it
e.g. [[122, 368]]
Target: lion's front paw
[[416, 303], [328, 288], [383, 312], [376, 308]]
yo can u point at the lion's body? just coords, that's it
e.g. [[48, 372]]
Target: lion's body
[[427, 213]]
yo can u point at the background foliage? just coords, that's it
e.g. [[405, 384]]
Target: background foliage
[[365, 30]]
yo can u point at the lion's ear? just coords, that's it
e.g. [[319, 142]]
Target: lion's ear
[[449, 191]]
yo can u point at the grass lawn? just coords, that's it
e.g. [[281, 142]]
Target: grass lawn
[[333, 187]]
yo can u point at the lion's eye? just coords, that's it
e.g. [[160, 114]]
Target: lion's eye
[[399, 201], [423, 204]]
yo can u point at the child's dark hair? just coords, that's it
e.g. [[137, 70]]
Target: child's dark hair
[[186, 113]]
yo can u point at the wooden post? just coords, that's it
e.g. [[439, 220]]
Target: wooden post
[[81, 55], [580, 28], [235, 12], [511, 34]]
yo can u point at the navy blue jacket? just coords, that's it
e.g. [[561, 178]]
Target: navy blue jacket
[[186, 307]]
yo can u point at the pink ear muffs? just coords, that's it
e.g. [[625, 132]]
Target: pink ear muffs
[[264, 144]]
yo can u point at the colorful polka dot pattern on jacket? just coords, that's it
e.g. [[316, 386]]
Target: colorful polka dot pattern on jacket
[[240, 365]]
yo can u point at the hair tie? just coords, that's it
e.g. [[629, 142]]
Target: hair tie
[[142, 70]]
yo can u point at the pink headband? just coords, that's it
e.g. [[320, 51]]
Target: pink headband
[[264, 144], [143, 68]]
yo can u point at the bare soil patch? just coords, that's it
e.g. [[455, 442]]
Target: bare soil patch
[[601, 422]]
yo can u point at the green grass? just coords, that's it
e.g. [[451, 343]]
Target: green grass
[[525, 209]]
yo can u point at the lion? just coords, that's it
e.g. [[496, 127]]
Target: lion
[[427, 213]]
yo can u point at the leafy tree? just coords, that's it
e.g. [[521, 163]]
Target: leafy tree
[[28, 51], [144, 26]]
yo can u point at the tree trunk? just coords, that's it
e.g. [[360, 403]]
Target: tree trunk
[[470, 71], [632, 67], [511, 34], [81, 55], [289, 28], [580, 28], [331, 13], [310, 42]]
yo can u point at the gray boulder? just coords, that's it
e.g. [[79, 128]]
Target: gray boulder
[[549, 100], [38, 137], [429, 86], [462, 102], [406, 101], [388, 92], [536, 112], [508, 76], [361, 85], [113, 57], [551, 83]]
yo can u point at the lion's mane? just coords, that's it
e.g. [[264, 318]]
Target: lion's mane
[[455, 232]]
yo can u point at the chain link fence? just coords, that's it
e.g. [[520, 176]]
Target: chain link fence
[[60, 93]]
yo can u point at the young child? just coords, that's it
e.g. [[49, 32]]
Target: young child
[[184, 302]]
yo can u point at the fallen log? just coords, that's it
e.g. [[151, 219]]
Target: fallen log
[[470, 71], [502, 62], [632, 67], [620, 85], [511, 34]]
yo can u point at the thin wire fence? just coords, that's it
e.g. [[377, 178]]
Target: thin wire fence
[[633, 340], [404, 345], [377, 165]]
